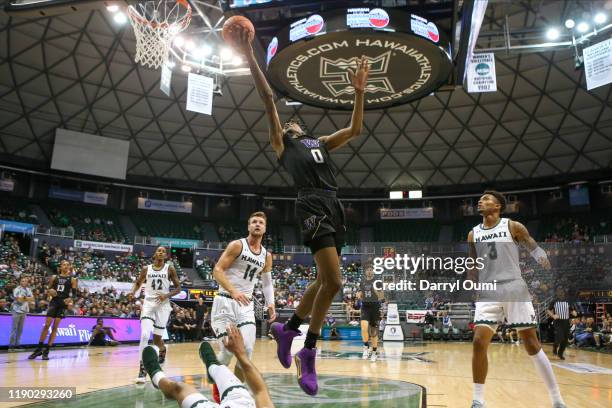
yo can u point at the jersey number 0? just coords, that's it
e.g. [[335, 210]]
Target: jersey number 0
[[318, 157]]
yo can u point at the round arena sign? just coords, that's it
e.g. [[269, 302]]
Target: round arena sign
[[405, 65]]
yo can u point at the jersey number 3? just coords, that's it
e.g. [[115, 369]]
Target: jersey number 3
[[249, 273], [318, 156], [492, 250]]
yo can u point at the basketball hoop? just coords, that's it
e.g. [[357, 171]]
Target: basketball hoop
[[156, 23]]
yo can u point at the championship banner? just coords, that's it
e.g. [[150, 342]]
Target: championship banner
[[20, 227], [415, 316], [166, 80], [7, 185], [164, 205], [102, 246], [406, 213], [598, 64], [481, 73], [95, 198], [95, 286], [200, 94], [65, 194], [71, 330], [80, 196]]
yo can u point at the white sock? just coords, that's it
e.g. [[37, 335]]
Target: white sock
[[146, 328], [224, 356], [544, 369], [157, 378], [478, 393], [223, 377]]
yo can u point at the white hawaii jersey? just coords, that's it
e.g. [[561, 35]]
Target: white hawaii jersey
[[158, 281], [245, 269], [499, 251]]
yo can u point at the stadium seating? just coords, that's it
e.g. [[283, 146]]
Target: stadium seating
[[16, 209], [89, 222], [157, 224], [412, 230]]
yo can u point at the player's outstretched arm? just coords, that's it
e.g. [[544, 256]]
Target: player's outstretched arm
[[232, 251], [264, 90], [359, 78], [521, 235], [235, 343]]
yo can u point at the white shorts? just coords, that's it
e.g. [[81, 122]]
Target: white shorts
[[158, 312], [519, 315], [226, 310], [237, 397]]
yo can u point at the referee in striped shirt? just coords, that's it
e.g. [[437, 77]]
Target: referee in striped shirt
[[559, 310]]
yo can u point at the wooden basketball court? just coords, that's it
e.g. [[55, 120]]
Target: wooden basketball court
[[426, 374]]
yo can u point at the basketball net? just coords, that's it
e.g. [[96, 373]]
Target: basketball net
[[156, 24]]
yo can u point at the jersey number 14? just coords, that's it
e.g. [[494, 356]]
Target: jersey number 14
[[249, 273]]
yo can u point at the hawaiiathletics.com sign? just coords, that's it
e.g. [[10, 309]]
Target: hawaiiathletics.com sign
[[406, 63], [164, 205]]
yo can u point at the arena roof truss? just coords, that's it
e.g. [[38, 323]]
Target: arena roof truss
[[76, 71]]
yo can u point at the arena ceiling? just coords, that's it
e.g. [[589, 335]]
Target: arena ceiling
[[76, 71]]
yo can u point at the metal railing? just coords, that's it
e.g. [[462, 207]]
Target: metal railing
[[55, 231], [287, 249]]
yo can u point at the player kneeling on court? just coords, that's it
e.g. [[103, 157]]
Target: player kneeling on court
[[233, 393]]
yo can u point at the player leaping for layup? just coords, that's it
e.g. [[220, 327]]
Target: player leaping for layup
[[236, 271], [496, 242], [156, 306], [319, 211]]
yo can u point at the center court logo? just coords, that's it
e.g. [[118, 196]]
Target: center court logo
[[336, 390]]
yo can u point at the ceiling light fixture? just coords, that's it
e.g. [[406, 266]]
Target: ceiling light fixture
[[120, 18], [582, 27], [600, 18], [552, 34]]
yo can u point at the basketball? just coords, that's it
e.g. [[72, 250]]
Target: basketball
[[231, 25]]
